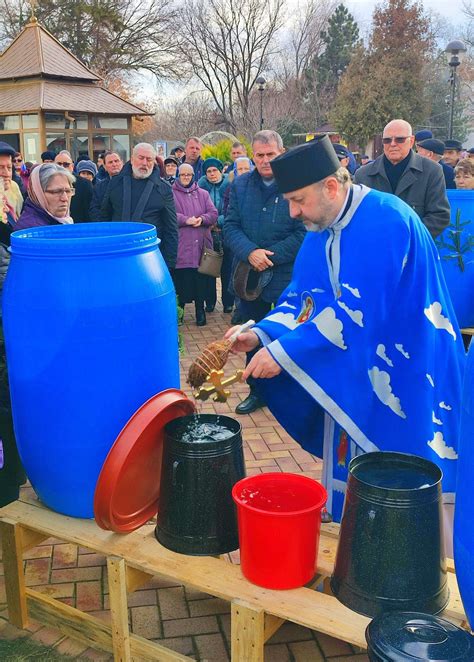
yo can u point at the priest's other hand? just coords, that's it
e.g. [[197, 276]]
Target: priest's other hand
[[262, 366], [259, 259], [246, 342]]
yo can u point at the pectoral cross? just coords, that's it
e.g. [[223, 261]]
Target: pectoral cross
[[215, 385]]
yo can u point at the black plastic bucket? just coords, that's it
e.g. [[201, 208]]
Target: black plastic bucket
[[12, 474], [391, 554], [412, 637], [196, 512]]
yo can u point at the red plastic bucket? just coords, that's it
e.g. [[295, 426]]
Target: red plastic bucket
[[279, 519]]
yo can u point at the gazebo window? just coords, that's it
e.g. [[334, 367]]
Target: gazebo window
[[9, 122], [81, 122], [55, 120], [30, 121], [55, 142], [79, 146], [121, 145], [32, 149], [109, 123]]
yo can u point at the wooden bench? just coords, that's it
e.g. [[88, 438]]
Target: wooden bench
[[133, 559]]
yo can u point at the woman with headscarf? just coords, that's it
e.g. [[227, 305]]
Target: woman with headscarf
[[196, 216], [50, 191]]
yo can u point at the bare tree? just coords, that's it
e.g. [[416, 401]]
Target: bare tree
[[226, 47]]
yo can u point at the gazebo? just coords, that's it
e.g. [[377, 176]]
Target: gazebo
[[49, 100]]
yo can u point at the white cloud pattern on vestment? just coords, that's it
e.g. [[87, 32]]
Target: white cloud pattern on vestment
[[356, 315], [287, 305], [383, 390], [440, 447], [287, 319], [430, 379], [443, 405], [380, 351], [330, 327], [352, 290], [438, 320], [400, 348], [436, 420]]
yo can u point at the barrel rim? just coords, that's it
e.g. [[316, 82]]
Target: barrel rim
[[169, 433], [84, 239]]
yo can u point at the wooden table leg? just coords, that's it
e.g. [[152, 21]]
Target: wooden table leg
[[14, 576], [248, 632], [117, 575]]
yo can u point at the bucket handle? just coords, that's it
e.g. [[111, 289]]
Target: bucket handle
[[174, 473]]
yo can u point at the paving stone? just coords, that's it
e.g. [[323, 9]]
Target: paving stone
[[288, 464], [89, 560], [211, 648], [89, 596], [57, 590], [75, 575], [37, 572], [332, 647], [351, 658], [276, 653], [65, 556], [70, 647], [40, 552], [306, 651], [96, 656], [9, 632], [193, 594], [209, 607], [183, 645], [190, 626], [173, 603], [146, 622], [291, 632], [47, 636]]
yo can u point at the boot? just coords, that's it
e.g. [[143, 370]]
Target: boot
[[200, 314]]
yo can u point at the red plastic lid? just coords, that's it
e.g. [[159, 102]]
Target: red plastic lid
[[128, 487]]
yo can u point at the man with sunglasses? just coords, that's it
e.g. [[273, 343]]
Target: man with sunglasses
[[417, 181], [81, 201]]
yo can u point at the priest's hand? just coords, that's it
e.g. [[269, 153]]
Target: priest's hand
[[262, 366], [259, 259], [246, 342]]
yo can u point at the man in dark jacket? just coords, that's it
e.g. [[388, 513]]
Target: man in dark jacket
[[417, 181], [433, 149], [113, 164], [139, 194], [259, 230], [192, 155], [81, 200]]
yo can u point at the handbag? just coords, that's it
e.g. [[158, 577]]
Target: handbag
[[211, 262]]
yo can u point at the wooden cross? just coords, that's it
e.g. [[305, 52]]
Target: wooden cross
[[215, 385]]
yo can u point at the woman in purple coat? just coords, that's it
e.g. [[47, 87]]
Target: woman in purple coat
[[50, 190], [196, 216]]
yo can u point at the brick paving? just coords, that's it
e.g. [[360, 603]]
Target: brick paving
[[187, 621]]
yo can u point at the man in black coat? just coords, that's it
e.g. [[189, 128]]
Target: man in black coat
[[417, 181], [139, 194], [82, 197], [113, 164], [433, 149]]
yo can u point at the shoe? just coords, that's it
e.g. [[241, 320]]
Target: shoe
[[236, 318], [251, 403], [209, 308], [201, 318], [228, 309]]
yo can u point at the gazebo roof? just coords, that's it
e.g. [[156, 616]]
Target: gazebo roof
[[35, 52], [39, 73]]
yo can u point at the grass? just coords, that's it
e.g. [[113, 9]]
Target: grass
[[24, 649]]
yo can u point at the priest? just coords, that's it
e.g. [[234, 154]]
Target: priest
[[363, 351]]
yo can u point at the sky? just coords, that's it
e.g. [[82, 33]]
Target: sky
[[449, 9]]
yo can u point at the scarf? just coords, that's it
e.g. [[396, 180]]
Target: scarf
[[38, 198]]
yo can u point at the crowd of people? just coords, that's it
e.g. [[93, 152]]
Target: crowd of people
[[233, 208]]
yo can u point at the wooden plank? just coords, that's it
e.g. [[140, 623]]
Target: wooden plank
[[116, 573], [14, 577], [210, 575], [69, 620], [137, 578], [247, 627], [272, 625]]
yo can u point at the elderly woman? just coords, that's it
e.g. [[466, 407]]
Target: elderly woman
[[196, 216], [50, 190], [464, 175]]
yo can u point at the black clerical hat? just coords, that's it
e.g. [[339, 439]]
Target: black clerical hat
[[305, 164]]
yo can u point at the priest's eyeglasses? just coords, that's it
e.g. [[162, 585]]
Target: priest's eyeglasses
[[399, 140]]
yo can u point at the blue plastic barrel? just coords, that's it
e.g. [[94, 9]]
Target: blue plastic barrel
[[91, 334], [456, 250], [464, 509]]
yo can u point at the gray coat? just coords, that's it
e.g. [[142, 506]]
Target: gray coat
[[421, 186]]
